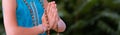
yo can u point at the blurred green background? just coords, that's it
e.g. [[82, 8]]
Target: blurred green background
[[86, 17], [2, 31]]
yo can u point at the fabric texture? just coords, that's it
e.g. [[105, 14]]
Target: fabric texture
[[24, 18]]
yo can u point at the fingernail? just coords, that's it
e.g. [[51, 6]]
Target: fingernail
[[55, 4]]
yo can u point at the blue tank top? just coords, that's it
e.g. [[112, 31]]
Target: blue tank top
[[24, 18]]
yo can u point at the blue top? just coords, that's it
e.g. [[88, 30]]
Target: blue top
[[24, 18]]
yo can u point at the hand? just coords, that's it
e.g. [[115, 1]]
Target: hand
[[44, 21], [52, 13]]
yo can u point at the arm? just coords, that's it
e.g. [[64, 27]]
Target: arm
[[10, 23], [26, 31]]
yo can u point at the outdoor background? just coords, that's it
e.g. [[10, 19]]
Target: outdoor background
[[86, 17]]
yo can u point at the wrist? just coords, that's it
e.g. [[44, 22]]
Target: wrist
[[44, 27]]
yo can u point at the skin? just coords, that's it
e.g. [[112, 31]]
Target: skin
[[53, 17], [10, 22]]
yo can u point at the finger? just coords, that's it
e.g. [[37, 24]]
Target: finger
[[44, 19], [55, 5], [48, 7], [50, 12], [55, 8], [54, 16], [50, 15], [54, 11], [42, 15], [47, 13], [53, 2], [57, 16]]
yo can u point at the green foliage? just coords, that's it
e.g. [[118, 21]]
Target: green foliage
[[90, 17]]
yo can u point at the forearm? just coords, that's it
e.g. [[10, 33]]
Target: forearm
[[31, 31], [26, 31], [60, 27]]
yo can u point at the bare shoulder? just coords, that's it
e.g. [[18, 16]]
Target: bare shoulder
[[9, 3]]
